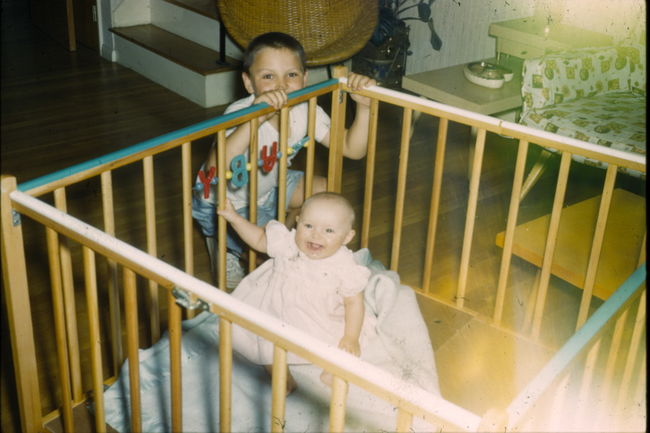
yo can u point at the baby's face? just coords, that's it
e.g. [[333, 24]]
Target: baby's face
[[323, 227], [275, 69]]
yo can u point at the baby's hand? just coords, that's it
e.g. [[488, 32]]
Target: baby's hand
[[229, 212], [350, 345], [358, 82], [275, 98]]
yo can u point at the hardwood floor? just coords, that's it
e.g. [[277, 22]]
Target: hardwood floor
[[61, 108]]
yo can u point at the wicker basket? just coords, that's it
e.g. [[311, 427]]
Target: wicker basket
[[330, 30]]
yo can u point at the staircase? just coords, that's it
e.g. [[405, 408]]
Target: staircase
[[183, 49], [179, 49]]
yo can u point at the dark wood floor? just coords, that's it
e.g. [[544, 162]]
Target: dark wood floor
[[60, 108]]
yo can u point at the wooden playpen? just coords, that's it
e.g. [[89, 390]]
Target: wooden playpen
[[600, 366]]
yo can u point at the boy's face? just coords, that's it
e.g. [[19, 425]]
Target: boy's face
[[322, 228], [275, 69]]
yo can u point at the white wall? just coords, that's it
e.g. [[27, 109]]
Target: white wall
[[617, 18], [119, 13], [463, 25]]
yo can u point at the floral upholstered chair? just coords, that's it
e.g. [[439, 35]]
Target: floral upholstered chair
[[596, 95]]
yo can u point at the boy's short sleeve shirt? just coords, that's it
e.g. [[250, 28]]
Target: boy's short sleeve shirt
[[267, 136]]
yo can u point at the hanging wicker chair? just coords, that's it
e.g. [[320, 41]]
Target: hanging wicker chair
[[329, 30]]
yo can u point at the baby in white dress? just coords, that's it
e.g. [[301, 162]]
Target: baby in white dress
[[311, 281]]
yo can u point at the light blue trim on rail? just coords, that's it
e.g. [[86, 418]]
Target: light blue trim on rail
[[153, 142], [581, 338]]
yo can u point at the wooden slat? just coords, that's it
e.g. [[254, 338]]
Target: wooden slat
[[90, 277], [401, 188], [225, 375], [188, 225], [404, 420], [470, 217], [370, 173], [19, 316], [115, 321], [551, 239], [632, 352], [253, 152], [311, 147], [586, 381], [278, 389], [152, 243], [58, 305], [337, 133], [337, 404], [597, 244], [434, 208], [282, 161], [176, 382], [513, 213], [69, 305], [132, 346], [221, 222]]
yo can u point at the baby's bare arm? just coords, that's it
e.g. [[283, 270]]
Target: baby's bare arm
[[253, 235], [354, 311]]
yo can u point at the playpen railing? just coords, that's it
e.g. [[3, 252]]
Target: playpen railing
[[409, 399], [59, 254], [571, 373]]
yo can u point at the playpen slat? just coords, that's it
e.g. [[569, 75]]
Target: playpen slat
[[282, 175], [610, 366], [337, 404], [513, 213], [278, 389], [640, 391], [62, 348], [152, 248], [434, 208], [221, 222], [557, 414], [597, 244], [401, 188], [404, 420], [545, 275], [186, 176], [337, 133], [132, 346], [471, 216], [370, 173], [585, 383], [175, 333], [252, 204], [632, 352], [19, 316], [225, 375], [69, 304], [90, 276], [115, 321], [310, 145]]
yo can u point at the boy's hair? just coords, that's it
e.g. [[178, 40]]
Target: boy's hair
[[275, 40], [334, 197]]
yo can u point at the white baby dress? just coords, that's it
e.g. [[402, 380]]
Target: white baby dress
[[305, 293]]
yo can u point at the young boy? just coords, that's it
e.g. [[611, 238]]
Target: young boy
[[273, 66]]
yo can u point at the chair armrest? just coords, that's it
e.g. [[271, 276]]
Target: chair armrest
[[565, 76]]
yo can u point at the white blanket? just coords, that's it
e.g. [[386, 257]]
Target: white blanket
[[402, 347]]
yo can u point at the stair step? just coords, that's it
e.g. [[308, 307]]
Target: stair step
[[184, 52], [206, 8]]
